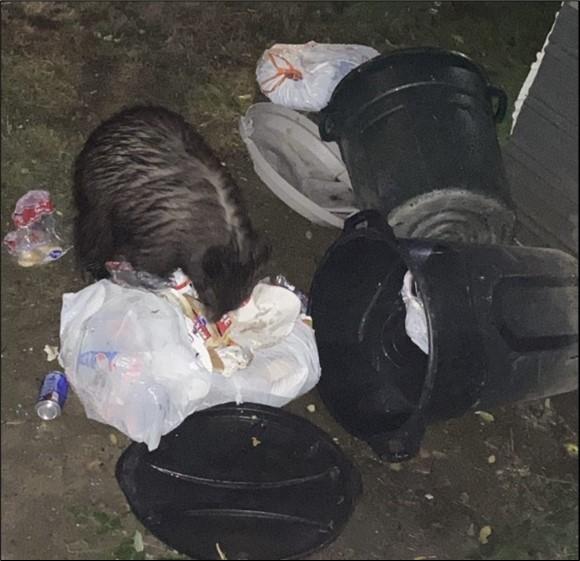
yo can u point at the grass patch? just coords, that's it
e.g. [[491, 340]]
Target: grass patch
[[548, 534], [34, 88], [98, 521], [35, 156], [217, 105]]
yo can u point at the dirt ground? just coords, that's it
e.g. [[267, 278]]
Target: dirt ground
[[67, 66]]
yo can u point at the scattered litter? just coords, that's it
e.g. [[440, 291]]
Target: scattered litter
[[91, 466], [245, 97], [221, 554], [464, 498], [425, 468], [256, 441], [484, 534], [485, 416], [113, 438], [36, 240], [51, 352], [471, 531], [52, 396], [572, 449], [395, 467], [491, 459], [311, 408], [438, 455], [416, 318], [308, 234], [429, 497], [303, 77], [138, 542]]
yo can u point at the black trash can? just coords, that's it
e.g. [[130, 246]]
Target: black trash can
[[416, 130], [502, 320]]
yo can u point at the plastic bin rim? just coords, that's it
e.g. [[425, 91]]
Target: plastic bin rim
[[383, 59], [393, 244]]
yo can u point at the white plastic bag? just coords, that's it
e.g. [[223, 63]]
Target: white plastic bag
[[415, 319], [303, 77], [135, 364]]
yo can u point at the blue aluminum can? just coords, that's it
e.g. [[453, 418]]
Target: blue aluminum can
[[52, 395]]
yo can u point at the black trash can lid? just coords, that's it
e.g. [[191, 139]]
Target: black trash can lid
[[241, 482]]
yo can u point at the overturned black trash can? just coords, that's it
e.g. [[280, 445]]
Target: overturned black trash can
[[416, 130], [502, 322]]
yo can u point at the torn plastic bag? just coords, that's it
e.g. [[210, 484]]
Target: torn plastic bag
[[36, 239], [135, 364]]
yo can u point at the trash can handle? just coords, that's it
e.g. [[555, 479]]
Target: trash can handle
[[502, 102], [367, 219], [327, 128]]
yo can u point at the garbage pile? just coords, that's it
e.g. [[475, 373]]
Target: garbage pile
[[142, 360]]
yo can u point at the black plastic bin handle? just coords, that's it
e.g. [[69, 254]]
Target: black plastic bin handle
[[502, 102], [369, 219], [327, 128]]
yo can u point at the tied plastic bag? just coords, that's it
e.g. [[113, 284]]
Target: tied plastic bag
[[303, 77], [137, 364], [416, 319], [36, 240]]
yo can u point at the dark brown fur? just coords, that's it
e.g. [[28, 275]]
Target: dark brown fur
[[149, 190]]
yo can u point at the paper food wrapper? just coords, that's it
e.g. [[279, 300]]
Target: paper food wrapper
[[267, 318], [229, 344]]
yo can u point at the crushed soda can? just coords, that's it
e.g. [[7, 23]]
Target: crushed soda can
[[52, 396]]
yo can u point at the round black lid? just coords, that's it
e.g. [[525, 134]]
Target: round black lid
[[241, 482]]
